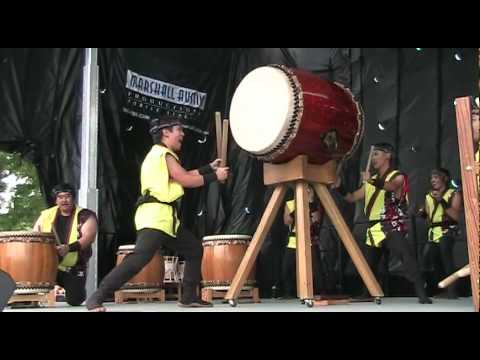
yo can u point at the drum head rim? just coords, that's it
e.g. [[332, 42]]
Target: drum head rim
[[25, 233], [281, 129], [227, 237], [295, 120], [361, 123], [27, 237]]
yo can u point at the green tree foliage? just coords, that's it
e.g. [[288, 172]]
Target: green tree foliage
[[27, 201]]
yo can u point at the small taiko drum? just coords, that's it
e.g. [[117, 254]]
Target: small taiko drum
[[278, 113], [222, 256], [150, 278], [31, 259]]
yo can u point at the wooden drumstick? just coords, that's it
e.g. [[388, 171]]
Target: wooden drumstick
[[224, 143], [218, 127], [55, 234], [463, 272], [369, 162]]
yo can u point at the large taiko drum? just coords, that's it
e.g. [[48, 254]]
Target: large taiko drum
[[278, 113], [31, 260], [150, 278], [222, 256]]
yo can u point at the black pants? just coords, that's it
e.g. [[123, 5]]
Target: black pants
[[74, 284], [439, 256], [398, 246], [326, 261], [289, 272], [150, 241]]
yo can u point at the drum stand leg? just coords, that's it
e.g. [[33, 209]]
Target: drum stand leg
[[253, 250], [300, 173], [304, 244], [470, 173]]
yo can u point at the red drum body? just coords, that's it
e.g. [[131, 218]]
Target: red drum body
[[279, 113]]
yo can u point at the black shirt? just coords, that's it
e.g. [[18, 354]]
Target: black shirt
[[62, 226]]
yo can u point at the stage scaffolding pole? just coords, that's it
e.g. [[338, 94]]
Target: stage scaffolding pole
[[88, 192]]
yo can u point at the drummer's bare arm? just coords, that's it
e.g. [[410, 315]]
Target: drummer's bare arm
[[356, 196], [88, 231], [456, 209], [187, 179], [190, 179], [193, 172]]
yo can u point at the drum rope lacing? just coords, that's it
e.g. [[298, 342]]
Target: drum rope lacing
[[297, 115], [225, 242], [26, 290]]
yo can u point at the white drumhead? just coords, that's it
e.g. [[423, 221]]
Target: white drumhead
[[261, 109], [126, 248]]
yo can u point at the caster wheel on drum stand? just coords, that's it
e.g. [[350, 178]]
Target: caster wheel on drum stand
[[378, 301], [233, 303], [309, 303]]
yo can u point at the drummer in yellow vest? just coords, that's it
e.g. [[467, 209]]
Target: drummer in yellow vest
[[386, 202], [163, 180], [289, 268], [443, 208], [75, 230]]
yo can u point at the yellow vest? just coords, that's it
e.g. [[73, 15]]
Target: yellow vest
[[292, 240], [436, 214], [48, 218], [155, 178], [375, 233]]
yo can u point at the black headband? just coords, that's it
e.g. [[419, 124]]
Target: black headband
[[63, 188], [156, 125], [155, 129], [442, 172], [384, 147]]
